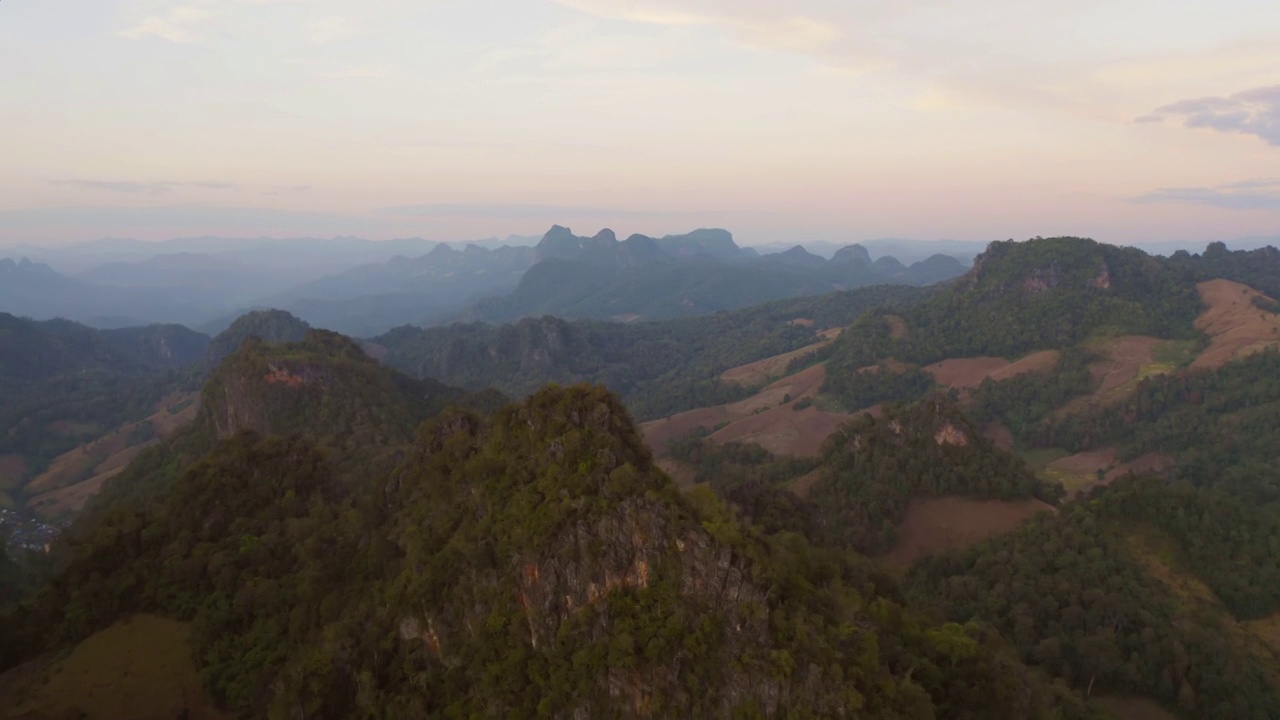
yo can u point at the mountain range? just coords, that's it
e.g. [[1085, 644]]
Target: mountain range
[[207, 282], [1043, 489]]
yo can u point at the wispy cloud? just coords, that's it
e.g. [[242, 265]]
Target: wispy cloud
[[1243, 195], [520, 211], [204, 219], [363, 71], [783, 26], [329, 28], [149, 188], [1252, 112], [178, 25]]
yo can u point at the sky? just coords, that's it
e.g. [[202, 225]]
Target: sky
[[841, 120]]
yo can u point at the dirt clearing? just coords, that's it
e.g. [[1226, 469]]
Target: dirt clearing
[[934, 525], [137, 669], [803, 485], [965, 373], [681, 473], [768, 418], [761, 371], [1126, 360], [1234, 324], [1043, 361], [784, 431], [1000, 435], [897, 327]]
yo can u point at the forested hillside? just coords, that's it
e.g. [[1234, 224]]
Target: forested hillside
[[62, 384], [534, 564], [658, 368], [1106, 597]]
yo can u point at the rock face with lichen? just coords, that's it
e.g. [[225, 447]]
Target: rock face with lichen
[[545, 545]]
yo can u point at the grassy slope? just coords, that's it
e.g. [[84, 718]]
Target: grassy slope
[[137, 669]]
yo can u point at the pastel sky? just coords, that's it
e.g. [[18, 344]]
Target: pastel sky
[[1124, 120]]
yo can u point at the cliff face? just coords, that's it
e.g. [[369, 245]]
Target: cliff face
[[562, 531]]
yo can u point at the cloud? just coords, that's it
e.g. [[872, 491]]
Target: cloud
[[363, 71], [520, 211], [150, 188], [329, 28], [773, 25], [100, 220], [1253, 184], [177, 25], [1243, 195], [1252, 112]]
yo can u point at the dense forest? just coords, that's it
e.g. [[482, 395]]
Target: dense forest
[[534, 564], [1093, 595], [62, 384], [659, 368], [1221, 426]]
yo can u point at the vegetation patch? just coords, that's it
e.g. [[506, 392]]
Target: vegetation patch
[[1133, 708], [13, 470]]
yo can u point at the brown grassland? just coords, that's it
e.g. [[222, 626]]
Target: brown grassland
[[934, 525], [137, 669], [1236, 327]]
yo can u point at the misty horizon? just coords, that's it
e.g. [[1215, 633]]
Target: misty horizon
[[835, 121]]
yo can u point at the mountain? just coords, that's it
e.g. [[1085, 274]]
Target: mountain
[[196, 278], [64, 386], [1106, 501], [602, 250], [908, 251], [370, 299], [311, 256], [533, 562], [35, 290], [323, 386], [852, 255], [797, 257], [358, 286], [658, 367], [931, 270], [677, 276], [1046, 489], [38, 350], [272, 326], [710, 242]]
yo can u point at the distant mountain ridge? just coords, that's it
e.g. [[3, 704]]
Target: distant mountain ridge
[[684, 275]]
